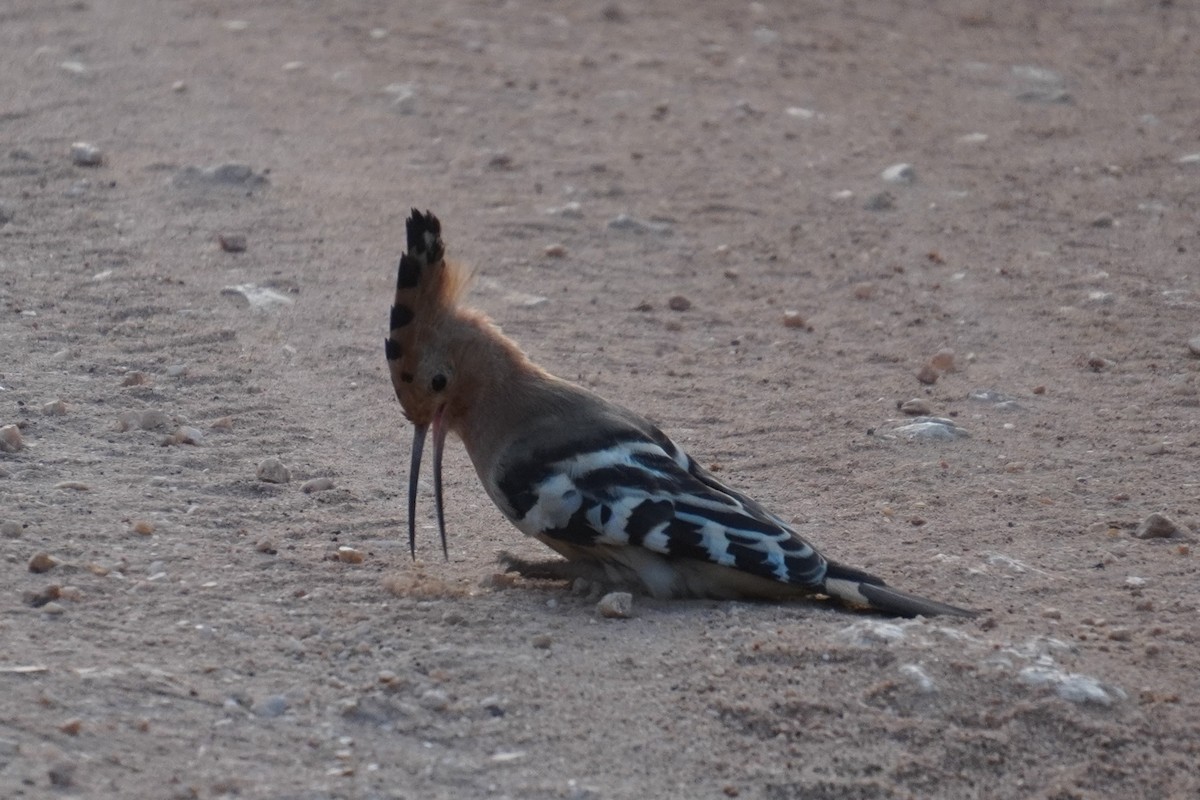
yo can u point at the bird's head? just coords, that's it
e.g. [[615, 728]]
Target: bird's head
[[424, 346]]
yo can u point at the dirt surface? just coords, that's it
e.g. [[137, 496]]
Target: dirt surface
[[196, 633]]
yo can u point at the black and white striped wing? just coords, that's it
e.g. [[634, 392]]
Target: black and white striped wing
[[632, 490]]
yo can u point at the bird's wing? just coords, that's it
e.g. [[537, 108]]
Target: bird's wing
[[635, 488]]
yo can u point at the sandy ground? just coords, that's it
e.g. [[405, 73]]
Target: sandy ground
[[195, 634]]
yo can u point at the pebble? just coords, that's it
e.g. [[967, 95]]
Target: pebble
[[899, 173], [943, 360], [973, 138], [222, 424], [234, 176], [928, 375], [232, 242], [434, 700], [1159, 526], [542, 641], [1190, 158], [931, 429], [10, 439], [61, 774], [615, 605], [1000, 400], [43, 562], [624, 222], [1194, 345], [177, 370], [55, 408], [84, 154], [273, 706], [11, 529], [135, 378], [260, 298], [78, 486], [555, 251], [316, 485], [72, 727], [186, 434], [572, 210], [349, 555], [153, 419], [794, 319], [917, 407], [272, 470], [679, 303], [143, 527]]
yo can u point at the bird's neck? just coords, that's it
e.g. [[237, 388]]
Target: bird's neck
[[500, 390]]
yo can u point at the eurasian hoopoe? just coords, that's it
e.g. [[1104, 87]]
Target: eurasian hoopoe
[[596, 482]]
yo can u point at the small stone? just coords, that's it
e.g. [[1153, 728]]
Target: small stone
[[260, 298], [973, 138], [10, 439], [265, 546], [542, 641], [1120, 634], [232, 242], [1134, 582], [349, 555], [273, 706], [84, 154], [135, 378], [177, 370], [572, 210], [11, 529], [272, 470], [222, 424], [1051, 613], [943, 360], [186, 434], [555, 251], [143, 527], [794, 319], [55, 408], [179, 87], [61, 774], [43, 562], [916, 407], [1159, 526], [899, 173], [316, 485], [1103, 221], [624, 222], [434, 700], [153, 419], [1194, 345], [928, 375], [72, 727], [679, 303], [54, 608], [75, 486], [615, 605], [863, 291], [1039, 389]]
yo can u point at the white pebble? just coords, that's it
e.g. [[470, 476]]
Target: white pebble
[[272, 470], [55, 408], [84, 154], [899, 173], [616, 605], [1194, 345]]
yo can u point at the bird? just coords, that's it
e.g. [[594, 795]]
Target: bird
[[596, 482]]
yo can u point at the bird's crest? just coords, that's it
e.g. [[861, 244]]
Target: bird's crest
[[427, 286]]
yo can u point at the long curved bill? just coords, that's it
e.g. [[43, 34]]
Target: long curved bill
[[414, 472]]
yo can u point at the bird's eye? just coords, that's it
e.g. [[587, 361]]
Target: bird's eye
[[438, 383]]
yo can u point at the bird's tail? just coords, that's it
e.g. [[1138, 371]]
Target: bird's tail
[[863, 590]]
